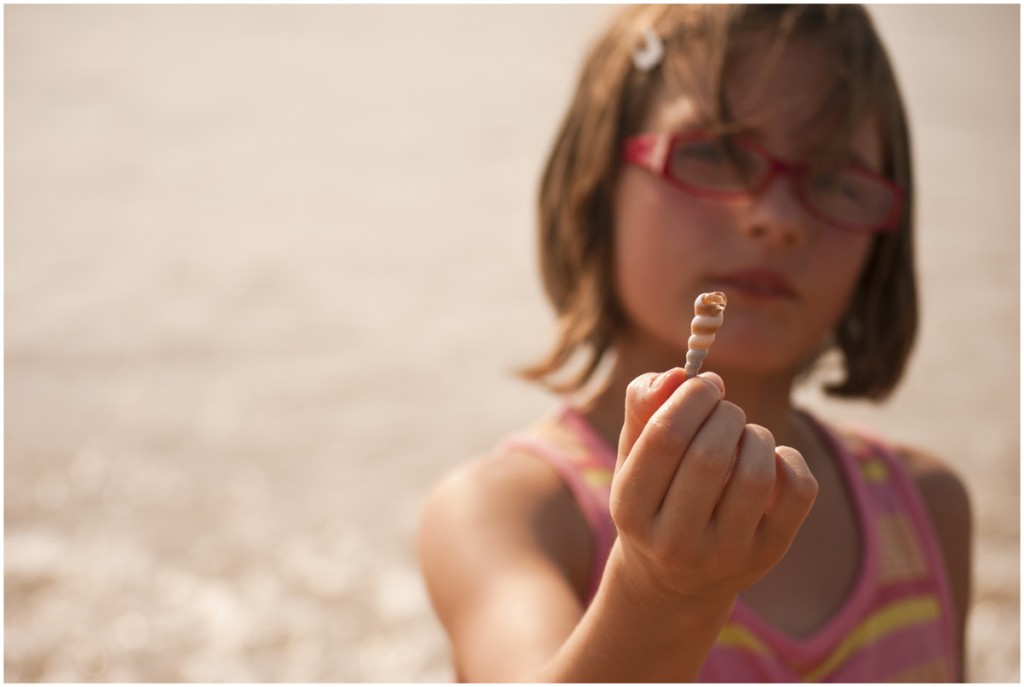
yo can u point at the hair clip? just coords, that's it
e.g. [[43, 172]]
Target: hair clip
[[649, 55]]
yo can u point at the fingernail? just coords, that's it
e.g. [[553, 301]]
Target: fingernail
[[714, 380], [658, 380]]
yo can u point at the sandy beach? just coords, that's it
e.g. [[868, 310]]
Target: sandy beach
[[268, 270]]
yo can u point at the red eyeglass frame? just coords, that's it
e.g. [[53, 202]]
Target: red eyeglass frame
[[651, 152]]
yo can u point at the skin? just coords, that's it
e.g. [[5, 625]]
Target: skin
[[505, 551]]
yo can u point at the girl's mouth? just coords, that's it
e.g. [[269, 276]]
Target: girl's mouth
[[758, 283]]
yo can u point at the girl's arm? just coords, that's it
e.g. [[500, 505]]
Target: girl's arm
[[506, 554], [949, 508], [503, 561]]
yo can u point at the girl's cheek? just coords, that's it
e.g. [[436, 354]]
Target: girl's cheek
[[667, 212], [845, 256], [836, 275]]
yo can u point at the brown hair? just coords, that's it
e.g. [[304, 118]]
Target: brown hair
[[875, 334]]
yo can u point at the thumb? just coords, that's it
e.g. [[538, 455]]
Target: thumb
[[644, 395]]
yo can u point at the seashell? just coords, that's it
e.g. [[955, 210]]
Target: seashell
[[708, 315]]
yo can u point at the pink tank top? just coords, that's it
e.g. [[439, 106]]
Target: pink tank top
[[897, 625]]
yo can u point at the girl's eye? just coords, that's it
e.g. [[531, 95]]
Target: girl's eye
[[706, 152], [839, 184], [719, 165]]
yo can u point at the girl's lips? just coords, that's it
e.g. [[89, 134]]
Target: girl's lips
[[758, 283]]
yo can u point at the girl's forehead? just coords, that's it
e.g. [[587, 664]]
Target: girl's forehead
[[769, 88], [783, 88]]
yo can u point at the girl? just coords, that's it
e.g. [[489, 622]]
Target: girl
[[665, 528]]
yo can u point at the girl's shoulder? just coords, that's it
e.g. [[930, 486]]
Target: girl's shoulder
[[499, 537], [507, 483], [521, 466], [948, 504], [935, 479], [940, 486], [504, 510], [944, 496], [942, 490]]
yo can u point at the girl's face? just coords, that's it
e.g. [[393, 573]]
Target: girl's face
[[788, 276]]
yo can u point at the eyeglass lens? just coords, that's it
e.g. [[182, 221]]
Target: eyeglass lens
[[844, 194]]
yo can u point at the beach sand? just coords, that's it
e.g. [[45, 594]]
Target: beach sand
[[268, 273]]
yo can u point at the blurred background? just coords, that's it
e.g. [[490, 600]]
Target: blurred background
[[268, 270]]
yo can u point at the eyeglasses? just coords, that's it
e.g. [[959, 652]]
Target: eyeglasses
[[849, 196]]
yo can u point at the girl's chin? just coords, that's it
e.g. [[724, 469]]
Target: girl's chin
[[748, 346], [764, 359]]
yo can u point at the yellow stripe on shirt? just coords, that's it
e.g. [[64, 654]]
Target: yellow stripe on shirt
[[597, 477], [875, 471], [889, 619], [739, 637]]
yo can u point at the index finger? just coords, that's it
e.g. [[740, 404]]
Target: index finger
[[645, 472], [644, 396]]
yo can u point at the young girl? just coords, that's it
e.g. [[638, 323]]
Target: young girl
[[665, 528]]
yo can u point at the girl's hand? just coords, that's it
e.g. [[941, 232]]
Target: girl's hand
[[705, 504]]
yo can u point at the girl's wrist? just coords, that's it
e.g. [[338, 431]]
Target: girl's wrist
[[638, 631]]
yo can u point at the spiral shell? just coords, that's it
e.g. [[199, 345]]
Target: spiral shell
[[708, 314]]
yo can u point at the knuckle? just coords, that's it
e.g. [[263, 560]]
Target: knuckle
[[705, 464], [756, 471], [637, 398], [622, 515], [637, 389], [725, 559], [761, 435], [805, 487], [732, 412], [634, 412], [801, 481], [664, 432], [679, 554], [703, 388]]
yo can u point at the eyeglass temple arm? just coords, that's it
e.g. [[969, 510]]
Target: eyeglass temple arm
[[647, 150]]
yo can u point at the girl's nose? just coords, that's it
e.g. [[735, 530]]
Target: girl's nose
[[777, 215]]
